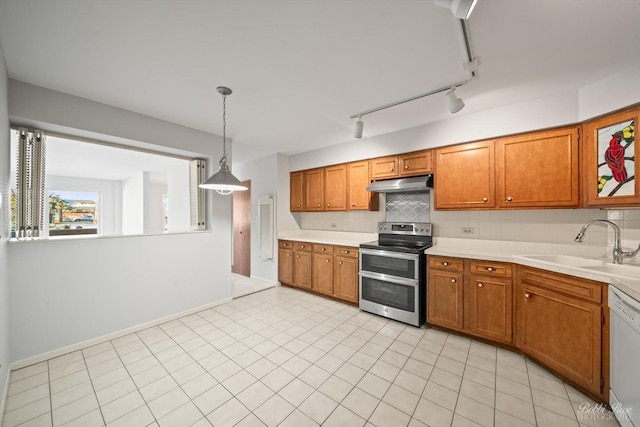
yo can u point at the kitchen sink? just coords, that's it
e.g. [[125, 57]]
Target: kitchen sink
[[622, 270], [567, 260]]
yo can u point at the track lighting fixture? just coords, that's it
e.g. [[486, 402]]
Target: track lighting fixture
[[359, 127], [461, 9], [455, 104], [223, 181]]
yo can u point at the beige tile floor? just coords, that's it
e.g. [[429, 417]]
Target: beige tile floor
[[282, 357]]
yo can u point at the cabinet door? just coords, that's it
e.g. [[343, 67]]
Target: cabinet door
[[296, 192], [418, 163], [335, 188], [465, 176], [314, 190], [322, 274], [562, 332], [490, 308], [538, 169], [609, 161], [345, 284], [285, 266], [302, 269], [384, 167], [445, 299], [359, 197]]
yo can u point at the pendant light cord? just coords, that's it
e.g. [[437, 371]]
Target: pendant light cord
[[224, 129]]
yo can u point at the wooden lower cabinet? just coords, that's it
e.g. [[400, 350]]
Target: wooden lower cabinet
[[445, 299], [322, 274], [346, 280], [490, 307], [324, 269], [560, 322], [285, 265], [471, 296]]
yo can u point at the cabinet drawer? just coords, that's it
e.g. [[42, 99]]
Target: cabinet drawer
[[584, 289], [302, 246], [323, 249], [446, 263], [285, 244], [491, 268], [346, 251]]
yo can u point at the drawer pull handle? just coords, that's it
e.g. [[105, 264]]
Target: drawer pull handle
[[319, 205], [288, 254], [484, 199], [285, 244], [302, 246], [299, 206], [509, 199], [323, 249], [390, 169], [445, 263], [340, 262], [406, 167], [489, 268], [328, 205], [527, 294], [346, 252], [297, 256], [453, 280], [353, 204], [326, 260], [480, 285]]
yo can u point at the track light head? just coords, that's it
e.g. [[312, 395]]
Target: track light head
[[359, 128], [455, 104], [461, 9]]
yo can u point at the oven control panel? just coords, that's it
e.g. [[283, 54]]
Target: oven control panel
[[406, 228]]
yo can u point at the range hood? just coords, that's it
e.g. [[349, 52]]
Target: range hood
[[414, 184]]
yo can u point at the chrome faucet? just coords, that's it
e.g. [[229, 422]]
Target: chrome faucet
[[618, 253]]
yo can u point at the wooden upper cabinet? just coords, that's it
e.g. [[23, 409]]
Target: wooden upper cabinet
[[335, 188], [384, 167], [314, 190], [465, 176], [296, 191], [417, 163], [609, 160], [358, 178], [539, 169]]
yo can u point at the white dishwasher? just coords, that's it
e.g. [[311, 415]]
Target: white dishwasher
[[625, 357]]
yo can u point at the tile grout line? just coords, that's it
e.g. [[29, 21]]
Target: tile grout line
[[84, 359]]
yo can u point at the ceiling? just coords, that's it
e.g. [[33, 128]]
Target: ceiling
[[299, 68]]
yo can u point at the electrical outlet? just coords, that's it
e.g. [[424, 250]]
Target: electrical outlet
[[466, 230], [334, 225]]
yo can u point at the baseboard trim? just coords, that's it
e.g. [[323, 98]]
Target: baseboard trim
[[264, 280], [5, 396], [93, 341]]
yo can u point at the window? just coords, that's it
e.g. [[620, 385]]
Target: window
[[99, 189]]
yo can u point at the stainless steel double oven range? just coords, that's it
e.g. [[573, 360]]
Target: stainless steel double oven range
[[393, 272]]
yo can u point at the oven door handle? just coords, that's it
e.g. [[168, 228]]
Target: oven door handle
[[389, 254], [388, 278]]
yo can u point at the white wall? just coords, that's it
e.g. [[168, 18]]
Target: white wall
[[5, 343], [133, 279], [609, 94], [133, 204]]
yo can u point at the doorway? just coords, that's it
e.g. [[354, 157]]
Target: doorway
[[241, 262]]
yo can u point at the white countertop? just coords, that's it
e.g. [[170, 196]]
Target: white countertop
[[342, 238], [494, 250]]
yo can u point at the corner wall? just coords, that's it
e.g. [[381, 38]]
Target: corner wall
[[5, 344], [85, 288]]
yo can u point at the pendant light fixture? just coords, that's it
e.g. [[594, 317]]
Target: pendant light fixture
[[461, 9], [223, 181]]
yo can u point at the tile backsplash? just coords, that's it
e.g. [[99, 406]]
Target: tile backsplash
[[540, 225]]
